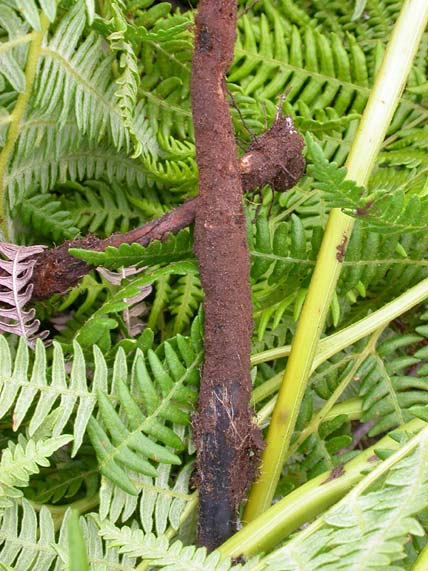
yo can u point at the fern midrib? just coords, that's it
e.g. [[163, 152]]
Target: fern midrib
[[392, 392], [76, 155], [394, 515], [163, 103], [161, 491], [58, 389], [350, 263], [17, 540], [319, 76], [20, 40], [284, 259], [170, 55], [37, 501], [81, 80]]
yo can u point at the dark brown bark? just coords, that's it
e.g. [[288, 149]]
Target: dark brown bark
[[274, 157], [227, 440]]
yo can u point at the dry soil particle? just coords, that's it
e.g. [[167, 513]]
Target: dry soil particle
[[227, 441]]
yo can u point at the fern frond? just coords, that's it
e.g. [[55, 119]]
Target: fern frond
[[11, 60], [136, 431], [160, 553], [74, 84], [160, 502], [394, 381], [135, 306], [178, 247], [75, 158], [47, 217], [129, 79], [167, 48], [265, 66], [31, 392], [163, 292], [185, 301], [16, 290], [96, 326], [381, 211], [98, 207], [65, 75], [382, 263], [366, 530], [22, 459], [282, 258], [321, 448], [69, 479], [29, 542]]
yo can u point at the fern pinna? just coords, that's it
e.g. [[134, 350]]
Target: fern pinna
[[96, 136]]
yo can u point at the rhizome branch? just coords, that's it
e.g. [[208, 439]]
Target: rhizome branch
[[274, 158]]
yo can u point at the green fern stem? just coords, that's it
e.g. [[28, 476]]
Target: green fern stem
[[19, 41], [16, 116], [339, 341], [318, 494], [421, 563], [383, 100], [58, 512]]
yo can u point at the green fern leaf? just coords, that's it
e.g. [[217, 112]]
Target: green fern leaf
[[23, 386], [46, 216], [389, 387], [185, 301], [159, 553], [380, 210], [19, 461], [33, 544], [161, 501], [365, 530], [97, 325], [66, 71], [165, 394], [177, 247]]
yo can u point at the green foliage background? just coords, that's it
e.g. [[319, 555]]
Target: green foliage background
[[96, 137]]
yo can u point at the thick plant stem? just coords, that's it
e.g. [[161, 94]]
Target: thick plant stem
[[381, 105], [224, 434], [16, 116]]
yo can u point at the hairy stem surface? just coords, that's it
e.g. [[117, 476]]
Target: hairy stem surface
[[224, 432]]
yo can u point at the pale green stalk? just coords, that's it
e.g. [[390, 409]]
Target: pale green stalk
[[16, 116], [58, 512], [421, 563], [383, 100], [318, 494], [20, 40]]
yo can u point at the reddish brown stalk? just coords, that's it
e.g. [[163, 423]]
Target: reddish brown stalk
[[227, 441], [273, 158]]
